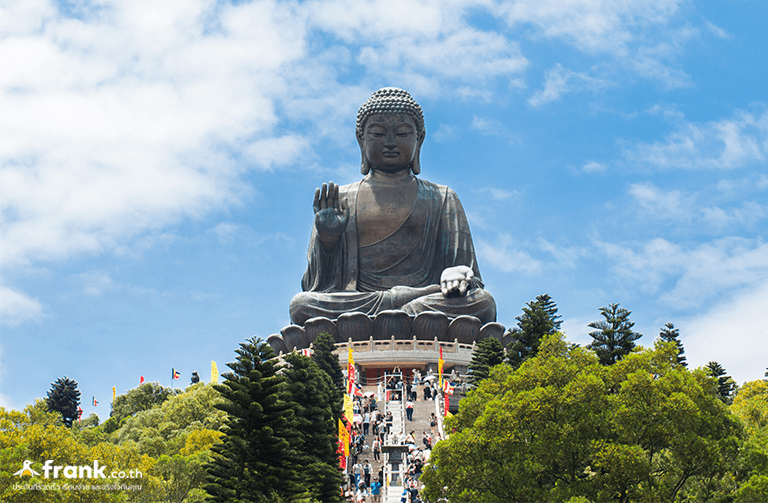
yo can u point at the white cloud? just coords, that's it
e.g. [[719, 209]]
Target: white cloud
[[444, 133], [491, 127], [670, 205], [594, 167], [16, 307], [559, 81], [733, 333], [627, 31], [96, 282], [686, 276], [725, 144], [716, 30], [565, 256], [506, 257]]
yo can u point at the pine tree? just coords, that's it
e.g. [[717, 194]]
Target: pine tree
[[487, 353], [668, 333], [725, 383], [64, 398], [614, 337], [255, 460], [311, 392], [328, 361], [539, 318]]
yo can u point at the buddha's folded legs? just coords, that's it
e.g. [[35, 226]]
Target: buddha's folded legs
[[477, 302]]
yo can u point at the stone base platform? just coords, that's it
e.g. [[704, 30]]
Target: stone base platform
[[389, 335]]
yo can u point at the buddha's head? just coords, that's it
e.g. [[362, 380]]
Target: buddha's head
[[390, 115]]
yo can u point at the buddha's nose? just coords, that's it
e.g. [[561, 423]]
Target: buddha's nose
[[390, 140]]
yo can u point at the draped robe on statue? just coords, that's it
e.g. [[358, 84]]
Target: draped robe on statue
[[382, 275]]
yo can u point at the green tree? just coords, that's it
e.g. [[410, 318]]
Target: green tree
[[254, 461], [565, 427], [614, 338], [164, 428], [328, 361], [139, 399], [488, 353], [725, 383], [668, 333], [311, 393], [64, 398], [539, 319]]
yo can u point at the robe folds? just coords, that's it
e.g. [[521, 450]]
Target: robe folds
[[384, 275]]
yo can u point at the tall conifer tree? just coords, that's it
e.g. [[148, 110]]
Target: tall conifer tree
[[328, 361], [725, 383], [487, 353], [539, 318], [257, 456], [311, 394], [614, 338], [64, 398], [668, 333]]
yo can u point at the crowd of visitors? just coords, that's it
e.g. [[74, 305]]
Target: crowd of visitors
[[372, 429]]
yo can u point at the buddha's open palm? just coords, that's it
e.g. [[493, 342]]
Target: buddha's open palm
[[456, 280], [331, 216]]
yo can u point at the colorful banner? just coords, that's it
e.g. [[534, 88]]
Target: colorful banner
[[114, 393], [141, 380], [214, 373], [350, 373], [440, 364], [344, 437], [348, 409]]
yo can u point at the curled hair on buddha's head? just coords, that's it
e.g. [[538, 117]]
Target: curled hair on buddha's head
[[391, 100]]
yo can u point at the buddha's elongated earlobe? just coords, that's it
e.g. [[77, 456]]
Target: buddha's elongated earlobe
[[416, 165], [364, 168]]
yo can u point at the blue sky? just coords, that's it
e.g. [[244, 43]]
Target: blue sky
[[158, 162]]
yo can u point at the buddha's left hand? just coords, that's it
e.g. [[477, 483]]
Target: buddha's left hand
[[456, 280]]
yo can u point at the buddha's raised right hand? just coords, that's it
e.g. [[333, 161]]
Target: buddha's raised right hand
[[331, 217]]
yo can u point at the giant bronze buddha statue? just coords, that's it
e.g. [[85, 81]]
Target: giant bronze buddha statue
[[391, 240]]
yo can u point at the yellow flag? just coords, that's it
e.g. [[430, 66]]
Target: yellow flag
[[214, 373], [114, 393], [348, 410], [344, 437], [350, 373]]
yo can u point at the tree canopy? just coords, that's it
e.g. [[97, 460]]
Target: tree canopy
[[565, 426]]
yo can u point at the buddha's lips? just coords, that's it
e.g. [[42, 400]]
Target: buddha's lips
[[391, 154]]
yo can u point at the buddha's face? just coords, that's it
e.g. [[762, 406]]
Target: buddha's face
[[390, 142]]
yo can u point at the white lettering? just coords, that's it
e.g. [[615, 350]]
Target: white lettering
[[98, 472], [70, 472], [85, 469], [47, 467], [56, 471]]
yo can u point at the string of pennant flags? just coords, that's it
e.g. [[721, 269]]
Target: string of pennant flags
[[175, 375]]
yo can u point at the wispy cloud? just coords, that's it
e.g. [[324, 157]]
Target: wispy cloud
[[733, 332], [559, 81], [628, 33], [504, 255], [96, 282], [724, 144], [689, 275], [16, 307]]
